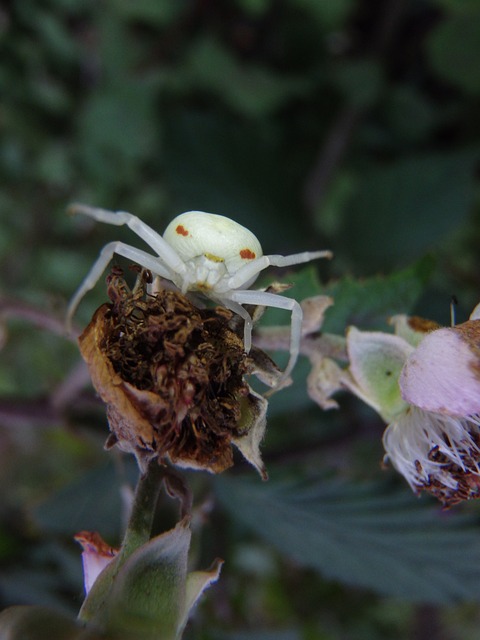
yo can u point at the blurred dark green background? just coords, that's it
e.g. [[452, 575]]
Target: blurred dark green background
[[344, 124]]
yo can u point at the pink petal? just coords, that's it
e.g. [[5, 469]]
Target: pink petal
[[443, 373], [97, 554]]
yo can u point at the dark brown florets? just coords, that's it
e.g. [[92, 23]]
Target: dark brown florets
[[172, 376], [463, 483]]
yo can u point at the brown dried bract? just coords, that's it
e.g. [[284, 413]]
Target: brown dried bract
[[172, 377], [92, 541], [422, 325]]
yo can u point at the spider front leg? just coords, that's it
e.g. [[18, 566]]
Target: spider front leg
[[248, 272], [247, 319], [109, 250], [263, 298], [143, 231]]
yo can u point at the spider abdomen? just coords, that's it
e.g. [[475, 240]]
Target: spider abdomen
[[217, 238]]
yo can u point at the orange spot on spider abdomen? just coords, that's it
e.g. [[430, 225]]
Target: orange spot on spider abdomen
[[181, 230], [247, 254]]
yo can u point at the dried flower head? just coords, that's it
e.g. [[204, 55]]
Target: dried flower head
[[173, 378]]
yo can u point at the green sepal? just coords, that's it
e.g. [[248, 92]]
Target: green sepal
[[376, 361], [197, 582], [149, 596]]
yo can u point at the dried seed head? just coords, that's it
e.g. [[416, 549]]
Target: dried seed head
[[172, 376]]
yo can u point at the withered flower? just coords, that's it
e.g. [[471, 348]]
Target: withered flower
[[173, 378]]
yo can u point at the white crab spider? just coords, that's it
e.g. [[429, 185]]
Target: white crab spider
[[206, 253]]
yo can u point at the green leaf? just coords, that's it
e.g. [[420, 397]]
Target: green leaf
[[55, 36], [252, 90], [153, 12], [368, 303], [254, 7], [117, 130], [459, 5], [411, 114], [454, 50], [402, 210], [363, 535], [328, 14], [119, 120], [360, 81], [218, 164], [260, 635]]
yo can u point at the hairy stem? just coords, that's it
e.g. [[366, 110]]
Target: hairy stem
[[143, 510]]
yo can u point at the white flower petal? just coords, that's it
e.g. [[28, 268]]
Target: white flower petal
[[423, 446]]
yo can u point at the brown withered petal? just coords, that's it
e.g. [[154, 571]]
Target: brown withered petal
[[173, 379]]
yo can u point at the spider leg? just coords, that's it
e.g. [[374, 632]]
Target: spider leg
[[248, 296], [253, 268], [106, 254], [149, 235], [298, 258], [247, 318]]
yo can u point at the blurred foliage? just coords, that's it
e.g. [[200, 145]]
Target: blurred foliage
[[362, 535], [351, 125]]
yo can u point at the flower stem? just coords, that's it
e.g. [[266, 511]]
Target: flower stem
[[143, 510], [138, 533]]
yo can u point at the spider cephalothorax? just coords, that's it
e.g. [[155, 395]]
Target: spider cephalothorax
[[205, 253]]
